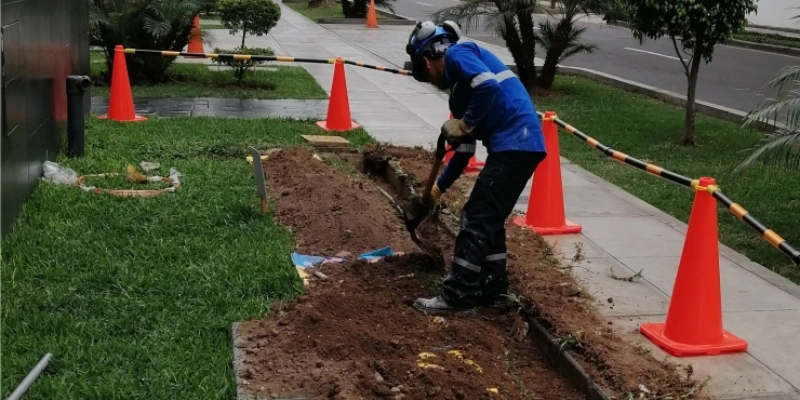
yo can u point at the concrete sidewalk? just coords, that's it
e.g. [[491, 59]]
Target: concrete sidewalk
[[621, 234]]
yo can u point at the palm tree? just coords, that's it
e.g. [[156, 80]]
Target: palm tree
[[511, 20], [561, 40], [781, 147], [144, 24]]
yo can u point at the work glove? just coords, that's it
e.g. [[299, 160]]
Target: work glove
[[455, 130]]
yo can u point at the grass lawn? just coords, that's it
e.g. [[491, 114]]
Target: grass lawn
[[314, 14], [768, 38], [135, 297], [210, 24], [197, 80], [649, 130]]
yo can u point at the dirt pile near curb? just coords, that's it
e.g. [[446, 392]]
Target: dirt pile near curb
[[615, 364]]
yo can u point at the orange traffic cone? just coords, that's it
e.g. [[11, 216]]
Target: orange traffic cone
[[473, 166], [120, 101], [545, 213], [339, 106], [694, 317], [196, 38], [372, 19]]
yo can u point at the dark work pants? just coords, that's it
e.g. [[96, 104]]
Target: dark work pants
[[478, 270]]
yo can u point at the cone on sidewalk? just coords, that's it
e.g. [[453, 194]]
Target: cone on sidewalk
[[338, 118], [120, 101], [545, 213], [694, 319], [372, 18], [473, 166], [196, 38]]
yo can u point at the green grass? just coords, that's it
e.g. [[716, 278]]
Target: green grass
[[768, 38], [314, 14], [197, 80], [135, 297], [649, 130], [211, 24]]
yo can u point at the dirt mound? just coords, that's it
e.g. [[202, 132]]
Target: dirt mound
[[615, 364], [618, 366], [329, 212], [356, 336]]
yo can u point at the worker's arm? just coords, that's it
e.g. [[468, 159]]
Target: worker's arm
[[465, 66], [457, 164]]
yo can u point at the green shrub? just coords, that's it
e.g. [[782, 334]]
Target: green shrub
[[253, 17], [240, 67], [142, 24]]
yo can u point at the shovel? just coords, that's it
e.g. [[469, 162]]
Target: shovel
[[413, 221]]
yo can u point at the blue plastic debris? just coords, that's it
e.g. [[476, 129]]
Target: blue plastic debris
[[376, 255], [305, 261]]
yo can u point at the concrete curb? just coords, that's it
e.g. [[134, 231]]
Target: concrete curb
[[769, 48]]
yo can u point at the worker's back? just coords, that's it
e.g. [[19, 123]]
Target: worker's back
[[511, 122]]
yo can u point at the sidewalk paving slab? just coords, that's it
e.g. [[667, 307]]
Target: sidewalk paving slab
[[621, 233]]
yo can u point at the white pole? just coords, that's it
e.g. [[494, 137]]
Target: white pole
[[26, 383]]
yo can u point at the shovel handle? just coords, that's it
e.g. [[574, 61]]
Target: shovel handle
[[437, 164]]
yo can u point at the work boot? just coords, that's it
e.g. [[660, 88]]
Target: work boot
[[439, 306]]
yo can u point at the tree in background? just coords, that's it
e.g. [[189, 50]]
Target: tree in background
[[253, 17], [561, 40], [511, 20], [781, 147], [142, 24], [699, 26]]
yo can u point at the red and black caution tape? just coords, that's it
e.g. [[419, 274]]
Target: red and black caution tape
[[248, 57], [768, 234]]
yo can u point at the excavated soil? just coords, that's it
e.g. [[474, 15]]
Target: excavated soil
[[617, 365], [327, 212], [354, 334]]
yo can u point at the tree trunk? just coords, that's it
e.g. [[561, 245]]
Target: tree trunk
[[687, 138], [244, 35]]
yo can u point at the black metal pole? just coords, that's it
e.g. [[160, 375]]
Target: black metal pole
[[77, 85]]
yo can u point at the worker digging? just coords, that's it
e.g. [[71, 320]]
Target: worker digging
[[489, 104]]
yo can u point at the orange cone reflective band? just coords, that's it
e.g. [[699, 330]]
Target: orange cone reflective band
[[694, 318], [545, 213], [120, 101], [372, 19], [339, 105], [196, 38]]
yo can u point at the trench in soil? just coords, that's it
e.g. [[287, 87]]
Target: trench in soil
[[353, 334]]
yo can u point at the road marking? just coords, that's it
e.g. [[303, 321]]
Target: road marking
[[655, 54], [424, 4]]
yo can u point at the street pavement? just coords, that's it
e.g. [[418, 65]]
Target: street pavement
[[735, 78], [622, 234]]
